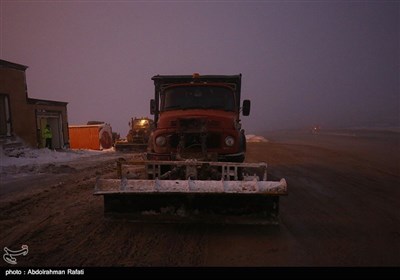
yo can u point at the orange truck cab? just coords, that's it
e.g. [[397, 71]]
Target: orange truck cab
[[197, 117]]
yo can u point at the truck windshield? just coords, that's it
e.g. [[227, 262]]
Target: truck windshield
[[198, 97]]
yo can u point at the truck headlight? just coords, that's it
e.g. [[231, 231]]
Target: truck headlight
[[229, 141], [161, 141]]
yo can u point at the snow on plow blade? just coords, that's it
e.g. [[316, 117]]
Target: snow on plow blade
[[246, 201]]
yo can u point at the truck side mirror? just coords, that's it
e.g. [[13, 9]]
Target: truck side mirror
[[152, 106], [246, 107]]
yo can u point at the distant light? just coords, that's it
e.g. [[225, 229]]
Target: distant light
[[143, 122], [196, 75]]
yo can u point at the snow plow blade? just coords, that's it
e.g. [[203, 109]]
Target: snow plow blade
[[228, 200]]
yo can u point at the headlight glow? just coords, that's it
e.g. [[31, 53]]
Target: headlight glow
[[229, 141], [161, 141]]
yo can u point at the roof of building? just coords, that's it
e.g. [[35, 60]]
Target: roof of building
[[46, 102], [8, 64]]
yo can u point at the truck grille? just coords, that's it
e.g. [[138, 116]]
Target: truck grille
[[184, 123], [191, 140]]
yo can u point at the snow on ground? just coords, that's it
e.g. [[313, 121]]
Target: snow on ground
[[22, 161], [255, 138], [28, 156]]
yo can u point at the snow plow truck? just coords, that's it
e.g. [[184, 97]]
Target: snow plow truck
[[194, 169], [138, 135]]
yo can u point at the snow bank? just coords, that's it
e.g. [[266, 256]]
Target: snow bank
[[27, 156], [255, 138]]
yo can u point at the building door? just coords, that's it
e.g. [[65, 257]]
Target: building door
[[53, 119], [5, 118]]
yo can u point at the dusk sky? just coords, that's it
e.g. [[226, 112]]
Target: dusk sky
[[333, 63]]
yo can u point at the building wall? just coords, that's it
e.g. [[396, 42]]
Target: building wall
[[23, 124], [24, 111]]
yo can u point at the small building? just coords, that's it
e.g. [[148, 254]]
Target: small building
[[25, 118], [96, 136]]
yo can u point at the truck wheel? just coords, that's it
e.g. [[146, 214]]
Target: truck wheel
[[242, 142], [242, 147]]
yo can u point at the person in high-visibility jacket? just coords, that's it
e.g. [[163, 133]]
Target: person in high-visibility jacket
[[48, 136]]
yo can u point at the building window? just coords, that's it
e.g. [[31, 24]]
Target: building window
[[5, 118]]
